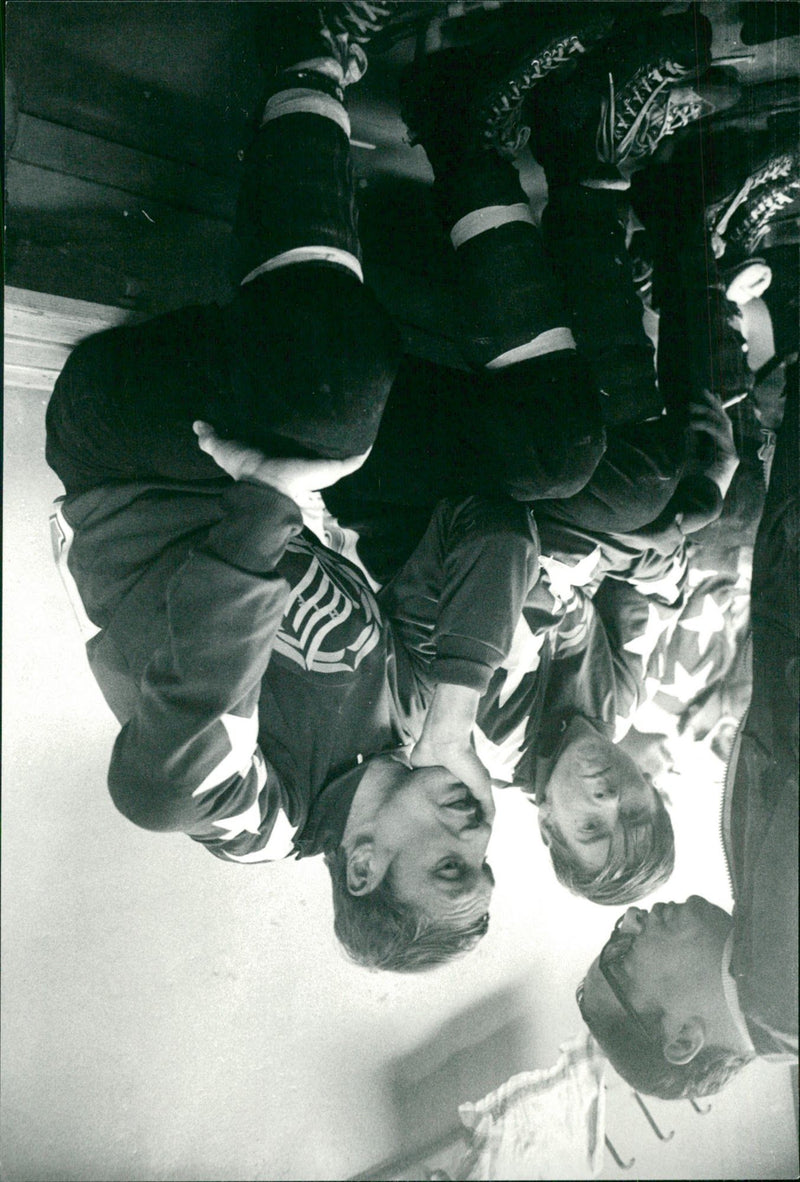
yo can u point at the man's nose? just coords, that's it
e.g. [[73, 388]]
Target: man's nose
[[632, 921], [474, 839]]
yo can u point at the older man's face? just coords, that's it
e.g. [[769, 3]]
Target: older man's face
[[667, 957]]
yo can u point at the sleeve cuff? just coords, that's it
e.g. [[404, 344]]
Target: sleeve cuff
[[460, 671]]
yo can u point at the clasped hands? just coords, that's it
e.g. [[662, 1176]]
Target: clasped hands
[[707, 416], [295, 478]]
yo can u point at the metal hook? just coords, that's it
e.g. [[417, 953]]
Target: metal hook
[[622, 1165], [661, 1136], [697, 1108]]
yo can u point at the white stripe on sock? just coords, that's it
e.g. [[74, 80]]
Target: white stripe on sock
[[551, 341], [615, 185], [308, 254], [488, 218], [301, 101]]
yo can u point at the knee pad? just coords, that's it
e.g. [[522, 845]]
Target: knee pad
[[317, 355], [545, 426]]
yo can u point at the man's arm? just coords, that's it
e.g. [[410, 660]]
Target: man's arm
[[456, 605], [188, 757], [710, 468]]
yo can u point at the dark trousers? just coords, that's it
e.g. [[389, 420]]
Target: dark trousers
[[300, 362], [775, 590], [584, 232], [450, 433], [542, 415]]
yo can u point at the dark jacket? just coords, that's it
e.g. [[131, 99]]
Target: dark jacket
[[760, 813], [252, 669]]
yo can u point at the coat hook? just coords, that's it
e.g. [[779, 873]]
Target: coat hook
[[661, 1136], [697, 1107], [622, 1165]]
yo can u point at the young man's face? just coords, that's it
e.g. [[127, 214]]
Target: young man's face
[[440, 835], [592, 787], [669, 961]]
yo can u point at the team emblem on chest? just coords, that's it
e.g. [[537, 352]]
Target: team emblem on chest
[[331, 621]]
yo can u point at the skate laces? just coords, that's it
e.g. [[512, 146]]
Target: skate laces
[[633, 120], [359, 20], [500, 114], [758, 219], [684, 108], [782, 189], [348, 54]]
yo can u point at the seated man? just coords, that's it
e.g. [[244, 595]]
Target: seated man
[[591, 637], [589, 652], [550, 322], [683, 996], [580, 673], [267, 698]]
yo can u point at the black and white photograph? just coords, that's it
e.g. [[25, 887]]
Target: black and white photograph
[[401, 590]]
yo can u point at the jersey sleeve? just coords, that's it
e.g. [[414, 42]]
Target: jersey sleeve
[[187, 758], [593, 629], [455, 604]]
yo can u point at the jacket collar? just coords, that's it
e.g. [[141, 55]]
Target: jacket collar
[[327, 817]]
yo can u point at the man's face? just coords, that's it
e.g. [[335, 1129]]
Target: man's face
[[440, 834], [592, 787], [670, 960]]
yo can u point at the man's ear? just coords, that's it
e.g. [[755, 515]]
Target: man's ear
[[682, 1046], [366, 866], [543, 813]]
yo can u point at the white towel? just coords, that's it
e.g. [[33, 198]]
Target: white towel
[[545, 1124]]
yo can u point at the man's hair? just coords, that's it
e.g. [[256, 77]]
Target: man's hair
[[645, 860], [380, 931], [643, 1066]]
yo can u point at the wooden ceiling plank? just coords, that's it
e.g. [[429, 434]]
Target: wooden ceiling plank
[[28, 377], [55, 320], [64, 150], [29, 351], [54, 328]]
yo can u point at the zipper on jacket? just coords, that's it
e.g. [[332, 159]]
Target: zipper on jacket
[[727, 795]]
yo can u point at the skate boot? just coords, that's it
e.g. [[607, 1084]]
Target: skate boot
[[460, 99], [319, 45], [741, 219], [601, 125]]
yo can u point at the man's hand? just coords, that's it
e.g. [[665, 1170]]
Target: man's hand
[[708, 417], [445, 742], [462, 762], [295, 478]]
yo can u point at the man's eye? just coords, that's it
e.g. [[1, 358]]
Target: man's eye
[[450, 869]]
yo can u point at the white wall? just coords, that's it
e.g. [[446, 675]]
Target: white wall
[[166, 1016]]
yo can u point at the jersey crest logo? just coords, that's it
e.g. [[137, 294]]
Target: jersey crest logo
[[331, 621]]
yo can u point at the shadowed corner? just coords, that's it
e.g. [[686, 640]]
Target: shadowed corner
[[468, 1056]]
